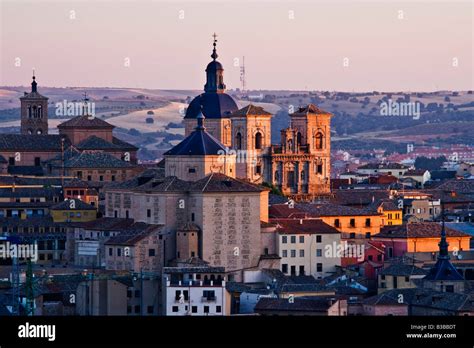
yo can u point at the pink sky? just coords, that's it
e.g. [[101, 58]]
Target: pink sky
[[307, 52]]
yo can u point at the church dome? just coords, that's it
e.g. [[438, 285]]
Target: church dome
[[213, 105], [214, 65], [214, 102]]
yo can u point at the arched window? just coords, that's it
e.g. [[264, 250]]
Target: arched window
[[290, 144], [277, 176], [298, 139], [40, 112], [35, 114], [302, 175], [258, 141], [29, 111], [238, 141], [39, 132], [30, 131], [318, 141]]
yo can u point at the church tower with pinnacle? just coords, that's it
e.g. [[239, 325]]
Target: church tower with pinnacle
[[34, 111]]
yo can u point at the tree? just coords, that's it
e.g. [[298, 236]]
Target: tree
[[429, 163]]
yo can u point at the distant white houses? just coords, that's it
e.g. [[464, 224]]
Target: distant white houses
[[395, 169]]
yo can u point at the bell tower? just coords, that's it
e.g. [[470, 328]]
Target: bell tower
[[34, 111]]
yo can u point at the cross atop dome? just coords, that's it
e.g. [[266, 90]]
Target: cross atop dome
[[214, 53]]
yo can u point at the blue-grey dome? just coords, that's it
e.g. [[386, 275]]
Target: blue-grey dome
[[213, 105]]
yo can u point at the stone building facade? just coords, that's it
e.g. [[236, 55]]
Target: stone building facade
[[299, 166]]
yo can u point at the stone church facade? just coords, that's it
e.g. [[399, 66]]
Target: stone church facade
[[300, 166]]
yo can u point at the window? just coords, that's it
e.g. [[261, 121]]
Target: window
[[129, 293], [258, 140], [337, 223], [37, 161], [293, 253], [284, 268], [284, 253], [379, 257], [407, 279], [137, 293], [149, 309], [284, 239], [319, 267], [119, 252], [148, 213], [113, 178], [127, 214], [11, 161], [319, 168], [301, 253], [192, 170], [186, 295], [206, 309], [382, 277], [352, 235], [194, 309], [318, 239], [367, 235], [111, 250], [319, 252], [129, 309], [352, 223], [137, 309], [449, 288], [370, 257], [101, 178], [301, 239], [367, 222], [293, 270], [238, 141], [209, 294], [218, 309], [175, 309], [301, 270], [79, 174], [89, 178], [293, 239], [319, 141], [115, 213], [258, 169], [151, 252]]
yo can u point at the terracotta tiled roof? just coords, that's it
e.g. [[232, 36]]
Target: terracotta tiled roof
[[85, 121], [401, 269], [302, 226], [78, 205], [307, 304], [132, 234], [311, 109], [27, 142], [251, 110], [96, 143], [330, 209], [383, 166], [96, 160], [417, 230]]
